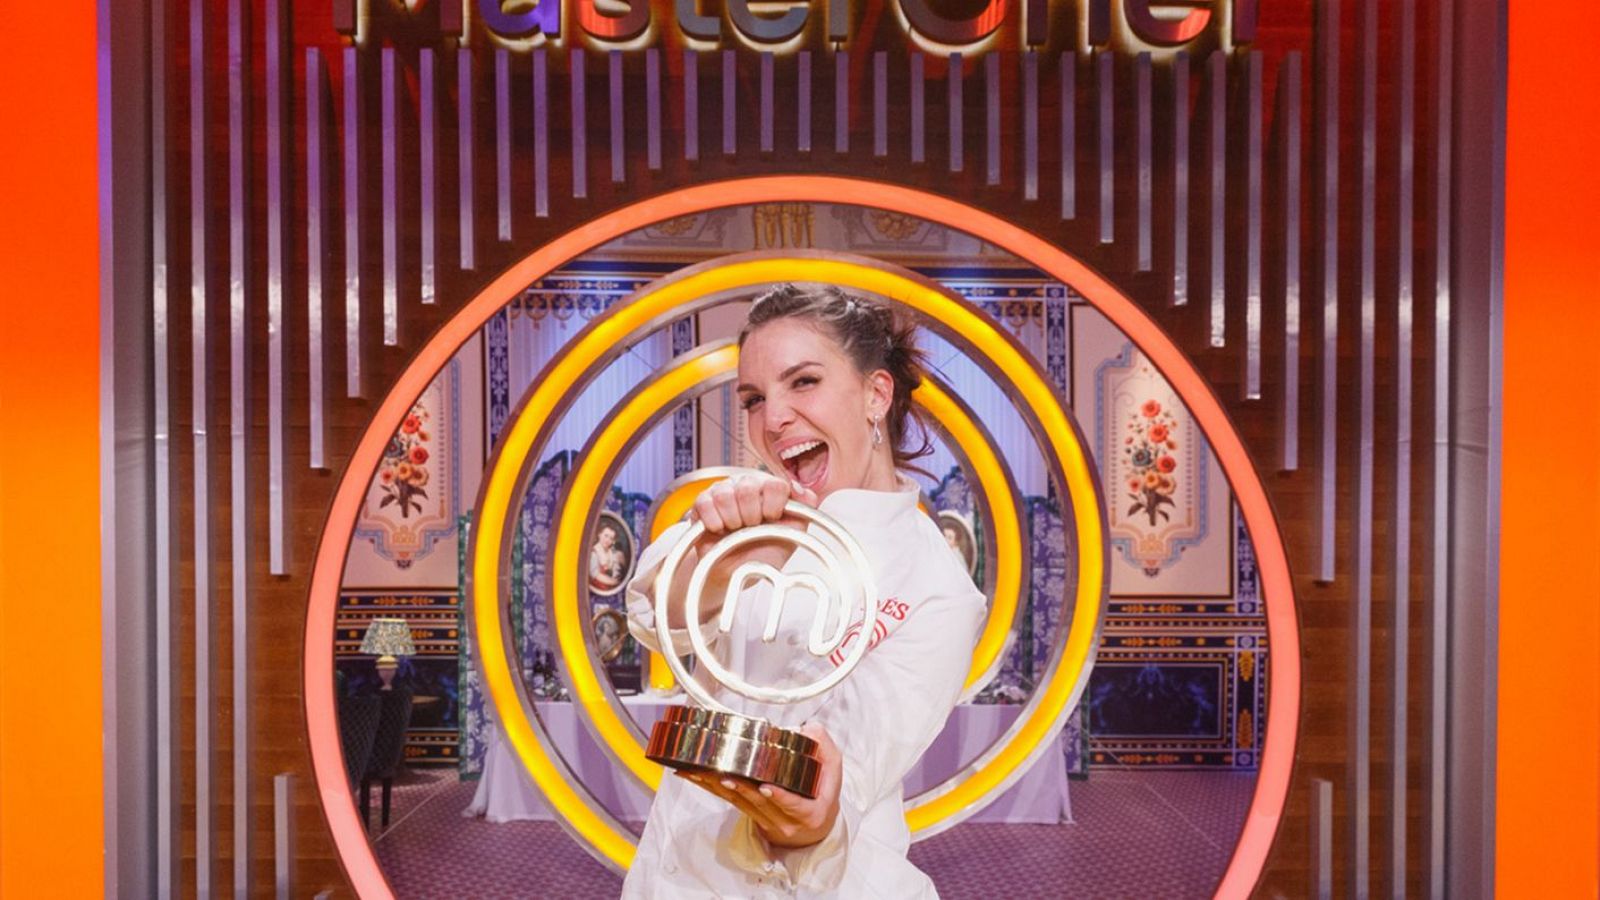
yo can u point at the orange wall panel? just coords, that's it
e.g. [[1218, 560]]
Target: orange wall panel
[[1548, 827], [50, 779]]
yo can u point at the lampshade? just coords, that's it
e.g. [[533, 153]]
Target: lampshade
[[388, 637]]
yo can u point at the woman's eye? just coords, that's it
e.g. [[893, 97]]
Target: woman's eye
[[805, 381], [749, 401]]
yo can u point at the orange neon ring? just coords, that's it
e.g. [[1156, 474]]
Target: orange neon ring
[[1283, 704]]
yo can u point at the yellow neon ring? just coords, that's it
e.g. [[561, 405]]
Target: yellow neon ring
[[585, 484], [978, 454], [604, 835]]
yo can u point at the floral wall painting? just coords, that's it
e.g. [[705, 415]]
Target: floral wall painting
[[404, 474], [1167, 502], [407, 533]]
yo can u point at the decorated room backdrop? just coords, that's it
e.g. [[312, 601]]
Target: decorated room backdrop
[[1180, 676]]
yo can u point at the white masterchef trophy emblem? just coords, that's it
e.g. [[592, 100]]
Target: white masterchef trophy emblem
[[711, 737]]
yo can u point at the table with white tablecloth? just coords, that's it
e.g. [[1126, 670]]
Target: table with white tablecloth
[[506, 792]]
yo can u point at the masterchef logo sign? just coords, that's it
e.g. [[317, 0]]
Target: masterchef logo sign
[[779, 25]]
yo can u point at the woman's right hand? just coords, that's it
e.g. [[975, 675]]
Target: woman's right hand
[[742, 501]]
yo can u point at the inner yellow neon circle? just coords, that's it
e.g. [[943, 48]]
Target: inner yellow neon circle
[[604, 834], [586, 484]]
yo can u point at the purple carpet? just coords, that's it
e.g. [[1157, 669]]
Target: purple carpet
[[1138, 834]]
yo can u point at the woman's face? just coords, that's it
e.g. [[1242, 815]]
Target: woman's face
[[607, 536], [810, 412]]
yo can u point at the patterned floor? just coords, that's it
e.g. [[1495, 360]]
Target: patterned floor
[[1137, 835]]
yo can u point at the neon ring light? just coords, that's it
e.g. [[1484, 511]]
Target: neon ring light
[[1279, 737]]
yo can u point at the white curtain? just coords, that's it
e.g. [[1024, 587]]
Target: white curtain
[[534, 341], [994, 407]]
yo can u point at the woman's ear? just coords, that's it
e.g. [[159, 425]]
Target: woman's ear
[[880, 396]]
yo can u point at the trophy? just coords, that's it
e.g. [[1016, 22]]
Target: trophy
[[710, 737]]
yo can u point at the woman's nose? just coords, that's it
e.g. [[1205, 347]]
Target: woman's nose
[[780, 416]]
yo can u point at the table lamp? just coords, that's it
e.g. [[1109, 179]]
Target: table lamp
[[387, 639]]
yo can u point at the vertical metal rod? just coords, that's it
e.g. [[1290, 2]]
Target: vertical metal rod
[[1321, 839], [841, 100], [541, 133], [766, 111], [576, 59], [465, 208], [1360, 798], [1069, 135], [953, 98], [691, 105], [1180, 179], [113, 758], [618, 109], [1253, 211], [730, 109], [275, 45], [1146, 150], [1439, 584], [1405, 314], [427, 124], [1217, 153], [283, 834], [166, 639], [803, 106], [502, 141], [239, 93], [880, 104], [652, 107], [1289, 122], [1106, 135], [391, 199], [918, 151], [991, 72], [205, 803], [351, 76], [1327, 37], [316, 81], [1030, 125]]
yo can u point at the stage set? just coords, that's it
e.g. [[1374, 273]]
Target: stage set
[[419, 326]]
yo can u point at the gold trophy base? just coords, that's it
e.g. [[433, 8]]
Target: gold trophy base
[[703, 740]]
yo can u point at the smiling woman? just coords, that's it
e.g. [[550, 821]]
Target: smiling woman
[[809, 353], [826, 380]]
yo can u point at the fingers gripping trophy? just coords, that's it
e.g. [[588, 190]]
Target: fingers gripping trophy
[[711, 738]]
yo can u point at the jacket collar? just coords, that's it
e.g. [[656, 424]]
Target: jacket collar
[[867, 507]]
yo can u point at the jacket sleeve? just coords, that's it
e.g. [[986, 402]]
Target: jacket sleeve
[[641, 603], [884, 716]]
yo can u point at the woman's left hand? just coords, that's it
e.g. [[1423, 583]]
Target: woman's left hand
[[784, 818]]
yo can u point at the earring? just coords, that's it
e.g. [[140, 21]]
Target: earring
[[877, 436]]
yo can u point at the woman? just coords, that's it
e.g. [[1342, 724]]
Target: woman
[[605, 561], [825, 379]]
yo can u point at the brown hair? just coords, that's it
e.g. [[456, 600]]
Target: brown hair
[[872, 336]]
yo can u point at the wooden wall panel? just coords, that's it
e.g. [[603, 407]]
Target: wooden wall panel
[[1238, 181]]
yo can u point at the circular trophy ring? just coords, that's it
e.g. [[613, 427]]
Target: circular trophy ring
[[850, 582]]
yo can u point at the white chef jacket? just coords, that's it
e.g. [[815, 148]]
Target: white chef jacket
[[882, 716]]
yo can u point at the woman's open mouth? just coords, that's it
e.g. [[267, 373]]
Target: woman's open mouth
[[807, 463]]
